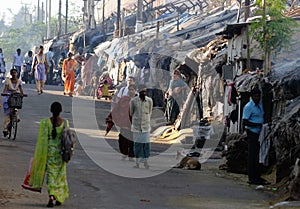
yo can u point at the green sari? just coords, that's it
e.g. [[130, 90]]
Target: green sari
[[47, 159]]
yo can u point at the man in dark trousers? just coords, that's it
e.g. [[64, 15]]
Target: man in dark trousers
[[253, 119]]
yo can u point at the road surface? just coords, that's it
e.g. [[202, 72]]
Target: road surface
[[97, 177]]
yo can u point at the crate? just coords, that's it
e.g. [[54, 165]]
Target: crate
[[15, 100]]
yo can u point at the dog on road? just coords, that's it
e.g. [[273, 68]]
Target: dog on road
[[187, 162]]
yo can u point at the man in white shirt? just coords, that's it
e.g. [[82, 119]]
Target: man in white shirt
[[18, 61], [124, 90], [131, 68], [141, 110]]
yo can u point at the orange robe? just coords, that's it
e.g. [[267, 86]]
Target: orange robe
[[68, 70]]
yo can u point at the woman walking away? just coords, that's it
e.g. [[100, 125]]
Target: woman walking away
[[48, 159], [68, 70], [39, 69]]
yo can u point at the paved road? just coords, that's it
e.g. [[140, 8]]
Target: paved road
[[98, 179]]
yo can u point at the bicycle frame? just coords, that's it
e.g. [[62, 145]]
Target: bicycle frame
[[13, 123], [13, 116]]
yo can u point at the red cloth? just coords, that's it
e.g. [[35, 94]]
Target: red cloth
[[25, 184], [120, 115]]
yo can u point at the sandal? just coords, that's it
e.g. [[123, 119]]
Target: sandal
[[50, 203], [57, 203]]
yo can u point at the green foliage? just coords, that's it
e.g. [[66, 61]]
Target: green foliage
[[24, 37], [276, 32]]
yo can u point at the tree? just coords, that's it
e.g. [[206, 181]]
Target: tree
[[25, 37], [273, 31]]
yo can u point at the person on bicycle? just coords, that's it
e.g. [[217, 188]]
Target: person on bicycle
[[11, 85]]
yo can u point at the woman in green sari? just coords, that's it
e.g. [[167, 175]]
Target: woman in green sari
[[48, 159]]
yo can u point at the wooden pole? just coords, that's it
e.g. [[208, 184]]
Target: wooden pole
[[103, 17], [139, 16], [266, 69], [118, 16], [247, 12], [38, 11], [66, 20], [49, 21], [59, 18], [42, 12]]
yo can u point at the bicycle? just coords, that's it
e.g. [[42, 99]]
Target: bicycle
[[15, 101]]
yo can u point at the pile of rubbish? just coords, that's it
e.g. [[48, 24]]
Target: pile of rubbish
[[235, 153]]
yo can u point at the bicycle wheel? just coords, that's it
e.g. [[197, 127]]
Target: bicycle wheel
[[13, 126]]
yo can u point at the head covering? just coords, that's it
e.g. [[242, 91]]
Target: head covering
[[177, 72], [70, 53], [255, 90], [142, 87]]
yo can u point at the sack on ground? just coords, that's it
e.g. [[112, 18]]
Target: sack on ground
[[25, 184], [68, 142]]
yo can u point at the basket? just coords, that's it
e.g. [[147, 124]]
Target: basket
[[15, 100]]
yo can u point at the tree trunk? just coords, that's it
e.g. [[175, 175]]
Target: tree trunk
[[66, 21], [59, 18]]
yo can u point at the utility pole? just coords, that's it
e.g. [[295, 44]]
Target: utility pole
[[49, 21], [26, 13], [66, 22], [59, 18], [38, 11]]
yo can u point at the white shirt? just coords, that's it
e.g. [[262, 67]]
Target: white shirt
[[123, 92], [18, 60], [28, 59], [49, 57]]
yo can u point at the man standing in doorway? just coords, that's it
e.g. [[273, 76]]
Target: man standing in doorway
[[141, 110]]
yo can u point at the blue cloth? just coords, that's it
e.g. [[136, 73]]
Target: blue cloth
[[141, 137], [141, 144], [40, 72], [176, 83], [141, 150], [255, 114]]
